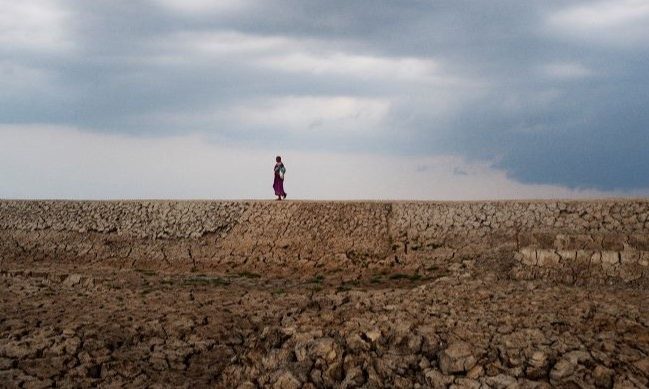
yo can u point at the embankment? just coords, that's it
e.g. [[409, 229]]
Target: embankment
[[579, 242]]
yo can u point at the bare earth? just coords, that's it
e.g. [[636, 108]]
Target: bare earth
[[80, 327], [517, 294]]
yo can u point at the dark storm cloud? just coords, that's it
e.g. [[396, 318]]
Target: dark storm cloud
[[551, 92]]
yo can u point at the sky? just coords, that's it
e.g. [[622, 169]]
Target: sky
[[382, 99]]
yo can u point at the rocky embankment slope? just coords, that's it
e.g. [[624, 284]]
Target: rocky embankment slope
[[324, 294], [570, 241]]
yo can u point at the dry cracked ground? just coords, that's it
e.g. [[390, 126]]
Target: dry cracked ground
[[464, 327]]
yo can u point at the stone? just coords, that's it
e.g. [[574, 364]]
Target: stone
[[562, 369], [567, 255], [457, 358], [596, 258], [629, 257], [373, 335], [528, 256], [356, 344], [476, 371], [547, 258], [642, 365], [610, 257], [644, 259], [333, 375], [577, 357], [603, 376], [500, 381], [353, 377], [537, 365], [286, 380], [435, 379], [324, 348], [465, 383], [72, 280]]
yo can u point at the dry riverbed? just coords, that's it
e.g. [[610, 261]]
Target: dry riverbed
[[79, 327]]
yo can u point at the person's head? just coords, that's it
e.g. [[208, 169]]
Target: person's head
[[278, 159]]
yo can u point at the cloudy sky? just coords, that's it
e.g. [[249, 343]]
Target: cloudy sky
[[382, 99]]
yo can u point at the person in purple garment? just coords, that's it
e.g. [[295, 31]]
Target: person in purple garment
[[278, 183]]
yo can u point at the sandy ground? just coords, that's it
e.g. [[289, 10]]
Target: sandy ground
[[68, 326]]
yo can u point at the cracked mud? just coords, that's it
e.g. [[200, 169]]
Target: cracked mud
[[85, 327], [324, 294]]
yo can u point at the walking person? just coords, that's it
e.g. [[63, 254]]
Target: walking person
[[278, 183]]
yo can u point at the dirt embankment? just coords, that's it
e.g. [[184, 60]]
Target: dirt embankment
[[331, 294], [576, 242]]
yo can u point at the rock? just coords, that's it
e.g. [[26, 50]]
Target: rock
[[628, 381], [528, 256], [457, 358], [353, 378], [324, 348], [610, 257], [435, 379], [537, 365], [356, 344], [476, 371], [629, 256], [538, 359], [373, 335], [561, 370], [274, 359], [578, 357], [501, 381], [644, 260], [272, 337], [527, 384], [430, 341], [413, 344], [603, 376], [286, 380], [547, 258], [72, 280], [642, 365], [465, 383], [333, 375]]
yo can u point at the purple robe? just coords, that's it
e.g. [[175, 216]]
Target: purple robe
[[278, 183]]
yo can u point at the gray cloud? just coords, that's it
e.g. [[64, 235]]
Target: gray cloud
[[551, 93]]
